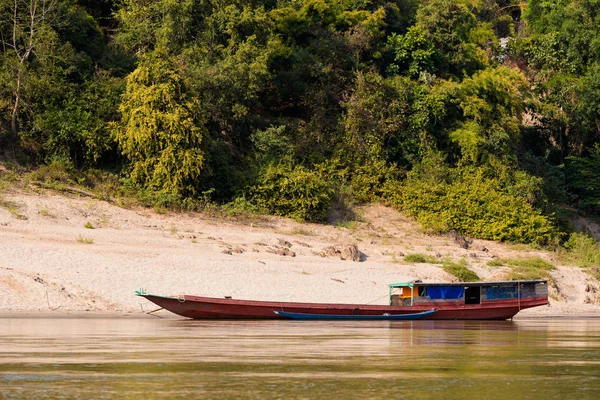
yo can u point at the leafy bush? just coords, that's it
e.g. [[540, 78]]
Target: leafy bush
[[584, 250], [104, 183], [374, 181], [474, 205], [461, 271], [295, 192], [240, 207], [159, 199], [380, 123], [58, 172]]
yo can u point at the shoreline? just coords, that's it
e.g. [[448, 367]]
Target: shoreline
[[4, 314], [66, 255]]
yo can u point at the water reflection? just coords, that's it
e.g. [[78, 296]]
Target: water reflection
[[157, 358]]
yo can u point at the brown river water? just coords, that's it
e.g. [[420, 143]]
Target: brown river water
[[156, 358]]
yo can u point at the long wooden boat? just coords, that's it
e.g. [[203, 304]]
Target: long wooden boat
[[473, 300], [333, 317]]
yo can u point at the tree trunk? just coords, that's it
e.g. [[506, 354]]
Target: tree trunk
[[15, 110]]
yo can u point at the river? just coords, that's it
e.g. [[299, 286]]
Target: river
[[157, 358]]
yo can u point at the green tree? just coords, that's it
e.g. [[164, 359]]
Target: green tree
[[413, 52], [583, 177], [381, 120], [144, 25], [27, 28], [561, 55], [453, 29], [160, 131], [72, 125], [492, 103]]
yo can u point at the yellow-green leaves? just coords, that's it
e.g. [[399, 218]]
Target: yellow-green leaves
[[475, 204], [492, 102], [160, 132], [296, 192]]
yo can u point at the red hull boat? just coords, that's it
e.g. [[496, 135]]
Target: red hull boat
[[474, 300]]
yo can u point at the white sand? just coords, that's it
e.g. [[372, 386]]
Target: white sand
[[44, 267]]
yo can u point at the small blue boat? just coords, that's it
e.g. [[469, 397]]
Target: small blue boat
[[336, 317]]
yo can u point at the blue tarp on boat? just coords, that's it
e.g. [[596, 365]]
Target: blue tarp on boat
[[445, 292]]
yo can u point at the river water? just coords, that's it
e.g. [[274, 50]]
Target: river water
[[154, 358]]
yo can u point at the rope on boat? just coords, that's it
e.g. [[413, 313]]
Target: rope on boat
[[153, 311], [181, 298], [373, 301]]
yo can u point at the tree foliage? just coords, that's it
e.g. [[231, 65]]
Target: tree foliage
[[160, 131], [295, 192], [583, 177], [471, 202], [468, 114]]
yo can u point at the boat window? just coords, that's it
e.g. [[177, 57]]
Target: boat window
[[422, 291], [445, 292], [473, 295]]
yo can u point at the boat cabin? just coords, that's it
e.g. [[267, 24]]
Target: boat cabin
[[415, 292]]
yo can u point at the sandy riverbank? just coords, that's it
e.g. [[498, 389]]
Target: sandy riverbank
[[50, 262]]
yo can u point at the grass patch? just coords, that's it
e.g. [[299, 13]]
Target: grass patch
[[88, 225], [529, 268], [104, 220], [595, 272], [8, 178], [160, 210], [418, 258], [84, 240], [13, 208], [461, 271], [348, 224], [495, 263], [530, 263], [525, 268]]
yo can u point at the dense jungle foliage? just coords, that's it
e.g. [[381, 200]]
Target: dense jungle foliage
[[480, 116]]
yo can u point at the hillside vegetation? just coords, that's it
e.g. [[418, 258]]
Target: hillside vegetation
[[477, 116]]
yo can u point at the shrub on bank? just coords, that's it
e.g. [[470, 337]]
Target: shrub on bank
[[476, 206], [294, 192], [583, 250], [461, 271]]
